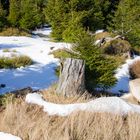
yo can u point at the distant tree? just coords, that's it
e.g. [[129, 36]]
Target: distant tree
[[2, 16], [14, 12], [31, 14], [57, 15], [65, 16], [127, 19]]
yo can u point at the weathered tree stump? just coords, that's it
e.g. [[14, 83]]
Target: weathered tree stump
[[72, 77]]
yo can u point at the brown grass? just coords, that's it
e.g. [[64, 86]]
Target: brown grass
[[15, 61], [30, 123], [51, 96], [103, 35], [116, 47], [134, 70], [13, 32]]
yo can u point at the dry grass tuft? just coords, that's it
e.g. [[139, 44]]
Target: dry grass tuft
[[116, 47], [103, 35], [134, 70], [15, 61], [13, 32], [30, 123], [51, 96]]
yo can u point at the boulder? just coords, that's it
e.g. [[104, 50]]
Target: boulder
[[135, 88]]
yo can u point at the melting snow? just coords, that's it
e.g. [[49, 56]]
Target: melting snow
[[6, 136], [99, 31], [103, 104]]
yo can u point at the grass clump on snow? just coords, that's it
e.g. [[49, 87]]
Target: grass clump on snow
[[13, 32], [62, 53], [15, 62]]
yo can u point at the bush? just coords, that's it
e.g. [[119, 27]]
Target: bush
[[116, 47], [15, 62], [99, 69], [134, 70]]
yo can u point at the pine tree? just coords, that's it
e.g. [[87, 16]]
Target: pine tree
[[14, 12], [67, 18], [127, 19], [2, 16], [99, 69], [31, 14]]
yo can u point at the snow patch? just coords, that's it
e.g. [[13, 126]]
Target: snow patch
[[99, 31], [6, 136], [104, 104], [41, 74], [123, 77]]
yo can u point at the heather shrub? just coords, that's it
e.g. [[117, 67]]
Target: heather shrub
[[134, 70]]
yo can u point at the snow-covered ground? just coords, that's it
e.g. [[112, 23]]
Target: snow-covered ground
[[39, 75], [6, 136], [113, 105]]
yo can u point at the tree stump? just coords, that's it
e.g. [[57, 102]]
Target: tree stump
[[72, 77]]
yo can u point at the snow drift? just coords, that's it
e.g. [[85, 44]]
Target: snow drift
[[104, 104]]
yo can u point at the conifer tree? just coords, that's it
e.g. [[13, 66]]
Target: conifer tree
[[66, 15], [127, 19], [14, 12], [31, 14], [99, 69], [2, 16]]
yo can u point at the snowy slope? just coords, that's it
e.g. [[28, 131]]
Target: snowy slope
[[39, 75], [6, 136], [104, 104]]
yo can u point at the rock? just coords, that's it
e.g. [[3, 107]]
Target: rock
[[51, 48], [2, 85], [135, 88], [128, 97]]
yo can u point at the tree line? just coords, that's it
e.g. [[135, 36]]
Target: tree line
[[24, 14], [70, 17]]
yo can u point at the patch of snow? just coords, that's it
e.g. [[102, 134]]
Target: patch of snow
[[6, 136], [99, 31], [123, 77], [97, 42], [43, 31], [104, 104], [41, 74]]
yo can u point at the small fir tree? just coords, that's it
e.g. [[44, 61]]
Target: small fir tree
[[99, 69]]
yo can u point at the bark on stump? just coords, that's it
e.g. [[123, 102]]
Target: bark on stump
[[72, 77]]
